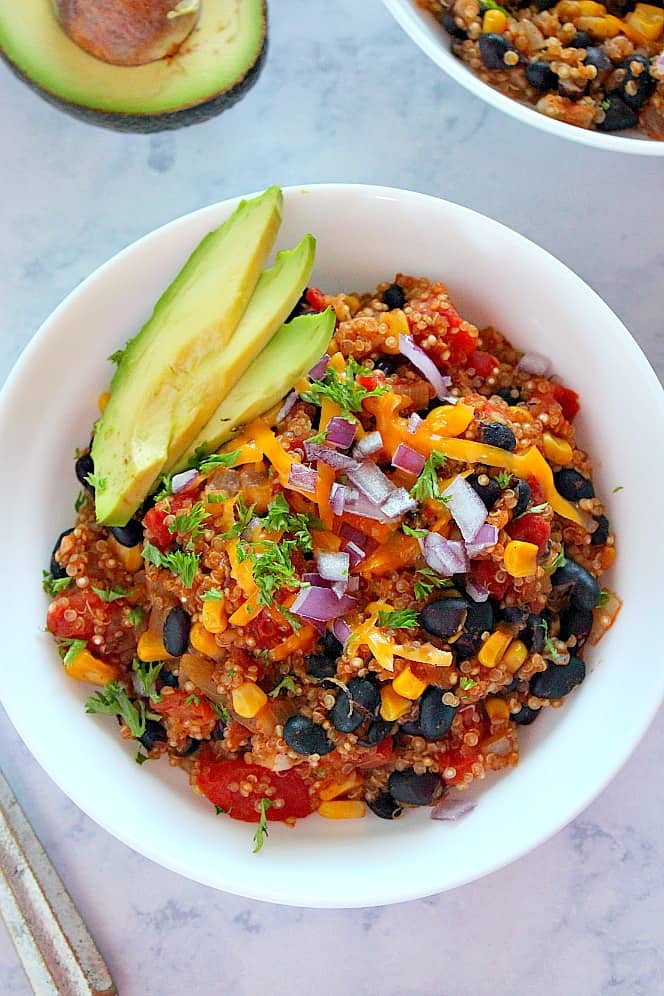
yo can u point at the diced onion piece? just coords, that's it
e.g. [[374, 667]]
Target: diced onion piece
[[364, 542], [315, 579], [319, 368], [399, 503], [366, 509], [425, 365], [355, 554], [371, 481], [467, 508], [289, 401], [534, 363], [486, 536], [414, 422], [444, 556], [353, 583], [341, 630], [332, 566], [340, 432], [327, 455], [304, 478], [452, 809], [183, 480], [478, 593], [407, 459], [370, 444], [338, 498], [321, 604]]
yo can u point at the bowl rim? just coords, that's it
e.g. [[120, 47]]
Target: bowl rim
[[152, 849], [405, 14]]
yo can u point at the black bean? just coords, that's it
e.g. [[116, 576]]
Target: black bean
[[617, 115], [541, 75], [435, 717], [598, 58], [523, 497], [580, 40], [545, 4], [451, 26], [516, 619], [305, 737], [583, 589], [445, 616], [218, 730], [601, 534], [573, 485], [411, 729], [413, 789], [168, 678], [299, 307], [56, 569], [385, 806], [525, 716], [512, 685], [83, 467], [576, 622], [558, 679], [129, 535], [498, 434], [332, 647], [154, 733], [493, 49], [359, 702], [189, 748], [510, 395], [637, 87], [378, 730], [319, 666], [479, 620], [176, 631], [571, 90], [621, 7], [394, 297], [387, 364], [533, 634], [489, 492]]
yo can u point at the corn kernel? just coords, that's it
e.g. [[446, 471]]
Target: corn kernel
[[494, 21], [492, 650], [202, 641], [408, 685], [588, 8], [102, 401], [129, 556], [607, 26], [392, 705], [568, 10], [557, 450], [520, 558], [151, 647], [248, 700], [336, 789], [514, 656], [397, 324], [214, 618], [342, 809], [86, 667], [497, 709], [644, 22], [353, 302]]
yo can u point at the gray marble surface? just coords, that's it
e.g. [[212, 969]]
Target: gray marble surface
[[345, 96]]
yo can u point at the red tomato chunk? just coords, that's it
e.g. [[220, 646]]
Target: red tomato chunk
[[238, 789]]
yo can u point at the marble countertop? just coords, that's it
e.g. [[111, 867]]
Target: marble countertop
[[346, 96]]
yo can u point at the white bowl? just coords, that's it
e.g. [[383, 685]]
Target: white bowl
[[365, 234], [434, 40]]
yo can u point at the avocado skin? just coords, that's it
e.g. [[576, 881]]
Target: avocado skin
[[148, 124]]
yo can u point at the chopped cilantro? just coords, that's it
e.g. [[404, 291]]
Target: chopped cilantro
[[261, 829], [604, 598], [427, 486], [492, 5], [219, 809], [409, 531], [558, 561], [549, 645], [213, 595], [110, 595], [53, 586], [114, 701], [466, 683], [215, 497], [344, 389], [243, 515], [291, 618], [184, 564], [272, 567], [139, 757], [192, 700], [287, 683], [427, 580], [218, 460], [221, 711], [319, 437], [96, 482], [147, 675], [189, 522], [135, 615], [164, 487], [618, 487], [399, 619], [279, 518], [81, 498], [535, 510], [72, 649], [503, 478], [319, 773]]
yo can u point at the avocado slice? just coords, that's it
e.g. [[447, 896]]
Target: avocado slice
[[290, 353], [277, 292], [191, 323], [213, 68]]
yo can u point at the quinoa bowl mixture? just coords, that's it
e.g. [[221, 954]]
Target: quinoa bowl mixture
[[357, 604], [576, 61]]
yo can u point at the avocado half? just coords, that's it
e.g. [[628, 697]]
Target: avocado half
[[214, 67]]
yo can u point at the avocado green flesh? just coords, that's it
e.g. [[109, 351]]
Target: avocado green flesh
[[193, 322], [219, 53], [277, 292], [290, 353]]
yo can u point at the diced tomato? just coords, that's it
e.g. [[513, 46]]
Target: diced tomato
[[368, 383], [224, 782], [184, 706], [90, 611], [531, 529], [483, 573], [461, 761], [567, 399], [379, 755], [482, 363], [236, 735], [461, 342], [315, 298], [156, 530], [266, 631], [536, 493]]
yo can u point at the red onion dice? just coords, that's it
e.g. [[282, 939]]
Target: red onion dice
[[486, 536], [341, 630], [534, 363], [319, 369], [398, 503], [289, 402], [368, 445], [425, 365], [371, 481], [338, 461], [444, 556], [332, 566], [340, 432], [408, 460], [452, 809], [414, 422], [478, 593], [183, 480], [467, 508], [321, 604], [304, 478]]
